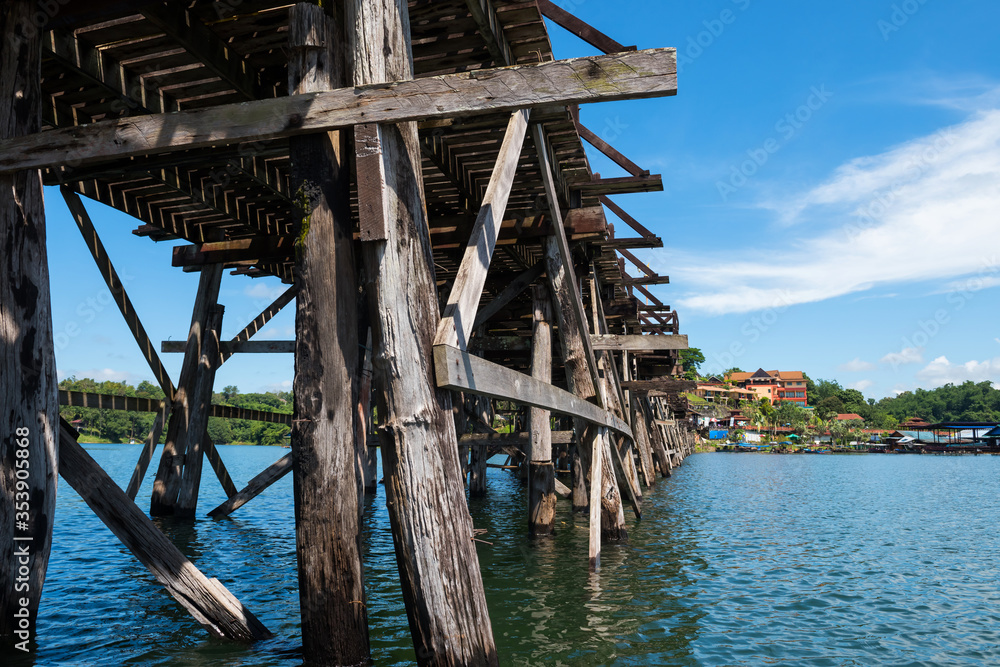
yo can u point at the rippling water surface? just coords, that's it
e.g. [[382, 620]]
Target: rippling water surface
[[739, 560]]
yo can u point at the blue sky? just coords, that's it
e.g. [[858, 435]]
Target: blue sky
[[831, 203]]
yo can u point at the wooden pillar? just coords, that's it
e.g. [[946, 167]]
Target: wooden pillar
[[461, 426], [580, 382], [29, 422], [639, 422], [483, 411], [581, 503], [189, 415], [327, 486], [541, 471], [431, 526]]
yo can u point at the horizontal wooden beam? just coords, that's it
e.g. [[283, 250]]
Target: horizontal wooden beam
[[632, 244], [229, 348], [639, 343], [136, 404], [620, 186], [516, 439], [669, 386], [623, 76], [647, 280], [260, 249], [460, 371]]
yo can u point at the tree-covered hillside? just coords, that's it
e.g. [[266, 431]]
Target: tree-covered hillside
[[117, 426]]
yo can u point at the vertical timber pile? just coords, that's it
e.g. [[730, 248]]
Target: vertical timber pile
[[27, 356], [541, 471], [192, 400], [327, 486], [431, 526]]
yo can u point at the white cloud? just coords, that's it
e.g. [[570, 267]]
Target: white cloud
[[856, 366], [941, 372], [908, 355], [265, 292], [285, 385], [276, 333], [984, 280], [860, 385], [924, 210], [101, 375]]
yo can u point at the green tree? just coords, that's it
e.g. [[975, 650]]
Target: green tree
[[692, 359]]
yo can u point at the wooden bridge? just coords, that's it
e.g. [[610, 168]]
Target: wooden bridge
[[416, 173]]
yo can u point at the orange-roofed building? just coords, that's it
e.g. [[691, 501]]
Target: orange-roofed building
[[849, 416], [776, 386]]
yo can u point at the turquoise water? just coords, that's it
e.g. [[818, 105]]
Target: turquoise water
[[739, 560]]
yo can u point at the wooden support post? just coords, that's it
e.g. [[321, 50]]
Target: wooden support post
[[541, 471], [483, 412], [327, 487], [28, 398], [461, 425], [581, 503], [214, 607], [192, 400], [431, 526], [255, 487], [639, 421], [578, 355]]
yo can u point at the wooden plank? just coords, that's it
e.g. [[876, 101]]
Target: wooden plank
[[581, 29], [373, 218], [259, 249], [509, 293], [229, 348], [596, 496], [461, 371], [327, 490], [657, 280], [511, 439], [618, 342], [28, 378], [623, 76], [667, 385], [484, 14], [432, 530], [255, 487], [456, 324], [207, 600]]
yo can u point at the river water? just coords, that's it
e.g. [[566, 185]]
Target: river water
[[739, 559]]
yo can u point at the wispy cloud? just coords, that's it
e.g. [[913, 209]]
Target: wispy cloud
[[908, 355], [265, 292], [941, 372], [856, 366], [860, 385], [910, 214]]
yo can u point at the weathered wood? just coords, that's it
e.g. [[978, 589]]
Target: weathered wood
[[485, 16], [461, 371], [639, 421], [622, 76], [596, 498], [215, 459], [256, 249], [255, 487], [27, 355], [541, 471], [148, 447], [617, 342], [229, 348], [625, 217], [511, 439], [373, 218], [327, 488], [582, 375], [670, 386], [196, 433], [581, 29], [456, 324], [610, 151], [509, 293], [192, 398], [432, 530], [207, 600]]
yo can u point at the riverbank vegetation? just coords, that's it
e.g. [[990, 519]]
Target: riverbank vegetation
[[118, 426]]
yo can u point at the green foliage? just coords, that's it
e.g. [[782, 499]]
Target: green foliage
[[692, 359], [970, 401]]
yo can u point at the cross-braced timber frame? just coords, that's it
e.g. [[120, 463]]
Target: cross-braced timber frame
[[435, 147]]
